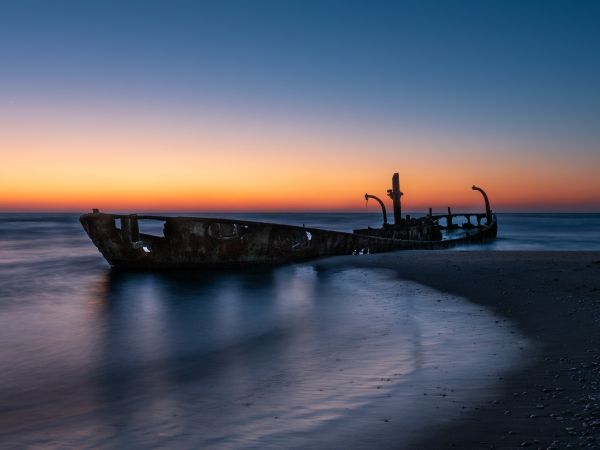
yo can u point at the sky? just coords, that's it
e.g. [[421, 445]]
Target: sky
[[298, 105]]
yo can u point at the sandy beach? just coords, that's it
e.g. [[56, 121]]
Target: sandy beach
[[554, 299]]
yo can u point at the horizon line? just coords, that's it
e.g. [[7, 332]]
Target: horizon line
[[308, 211]]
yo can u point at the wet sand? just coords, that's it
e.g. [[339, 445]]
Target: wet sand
[[553, 401]]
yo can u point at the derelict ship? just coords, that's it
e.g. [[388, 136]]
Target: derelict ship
[[197, 242]]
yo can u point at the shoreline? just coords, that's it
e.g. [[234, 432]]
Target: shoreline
[[553, 298], [90, 385], [341, 360]]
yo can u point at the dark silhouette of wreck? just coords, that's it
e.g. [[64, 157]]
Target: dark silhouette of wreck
[[195, 242]]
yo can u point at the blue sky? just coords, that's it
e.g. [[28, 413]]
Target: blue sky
[[482, 63], [524, 71]]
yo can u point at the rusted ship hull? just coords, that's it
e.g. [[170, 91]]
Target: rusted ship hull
[[191, 242]]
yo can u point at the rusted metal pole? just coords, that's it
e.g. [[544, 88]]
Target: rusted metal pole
[[383, 210], [135, 228], [126, 228], [488, 210], [395, 195]]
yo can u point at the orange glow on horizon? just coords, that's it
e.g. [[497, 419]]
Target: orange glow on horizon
[[52, 167]]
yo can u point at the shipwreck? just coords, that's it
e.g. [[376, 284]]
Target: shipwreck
[[198, 242]]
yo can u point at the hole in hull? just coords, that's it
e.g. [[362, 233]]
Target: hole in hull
[[151, 227]]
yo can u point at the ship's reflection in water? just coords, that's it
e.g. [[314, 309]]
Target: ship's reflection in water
[[235, 360], [291, 357]]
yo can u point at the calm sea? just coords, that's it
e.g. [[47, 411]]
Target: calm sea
[[292, 357]]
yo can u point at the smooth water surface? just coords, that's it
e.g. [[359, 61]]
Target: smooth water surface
[[290, 357]]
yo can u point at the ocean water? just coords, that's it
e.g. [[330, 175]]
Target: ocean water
[[292, 357]]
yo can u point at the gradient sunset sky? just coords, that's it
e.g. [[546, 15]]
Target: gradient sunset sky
[[298, 105]]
